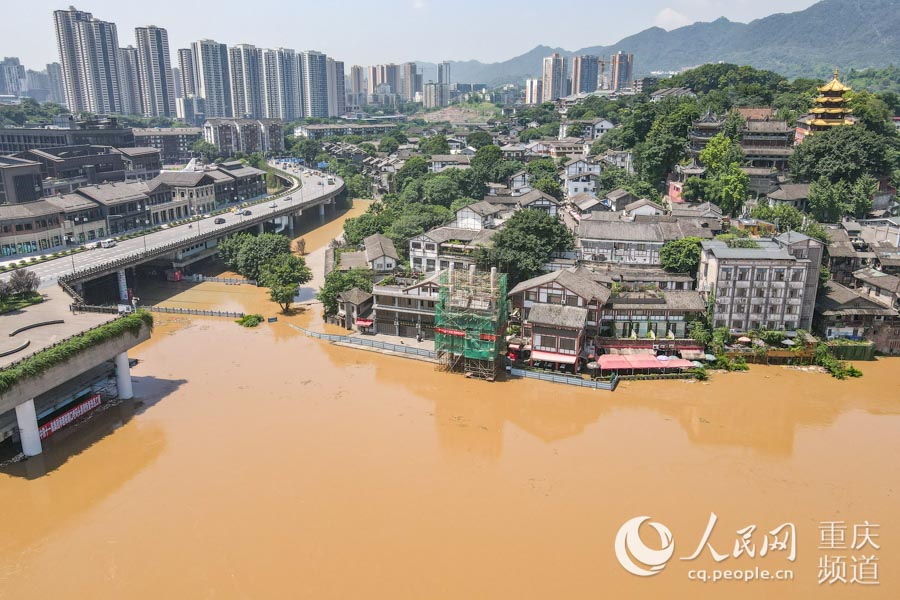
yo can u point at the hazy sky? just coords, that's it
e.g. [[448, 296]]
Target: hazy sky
[[375, 31]]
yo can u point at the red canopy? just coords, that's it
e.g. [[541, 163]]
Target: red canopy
[[613, 361], [364, 322]]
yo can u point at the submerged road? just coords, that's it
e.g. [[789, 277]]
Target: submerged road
[[308, 189]]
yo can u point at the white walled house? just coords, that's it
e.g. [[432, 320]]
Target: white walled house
[[479, 215]]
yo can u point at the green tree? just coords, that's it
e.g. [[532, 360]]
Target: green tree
[[694, 189], [681, 256], [207, 151], [548, 185], [23, 282], [731, 189], [306, 149], [412, 169], [282, 275], [734, 124], [359, 228], [258, 250], [861, 194], [436, 144], [530, 134], [841, 153], [479, 139], [441, 190], [485, 162], [388, 145], [337, 282], [873, 113], [719, 153], [827, 200], [525, 244], [542, 167]]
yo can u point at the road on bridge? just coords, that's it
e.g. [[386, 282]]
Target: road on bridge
[[313, 187]]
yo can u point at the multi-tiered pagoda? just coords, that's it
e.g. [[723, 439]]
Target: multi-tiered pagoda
[[832, 109]]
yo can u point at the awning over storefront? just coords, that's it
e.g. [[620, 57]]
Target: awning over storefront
[[618, 362], [567, 359], [613, 361], [364, 322], [692, 354]]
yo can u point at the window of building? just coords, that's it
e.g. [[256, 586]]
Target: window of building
[[726, 274], [572, 300], [743, 274], [545, 342], [567, 345], [761, 274], [531, 295], [779, 274], [554, 298], [415, 245], [796, 275]]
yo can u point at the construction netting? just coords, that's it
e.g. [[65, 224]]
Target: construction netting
[[470, 321]]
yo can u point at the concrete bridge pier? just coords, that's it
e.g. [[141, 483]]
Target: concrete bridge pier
[[123, 286], [123, 376], [321, 212], [26, 418], [260, 228]]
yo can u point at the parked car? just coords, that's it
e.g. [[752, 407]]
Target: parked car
[[246, 213], [219, 221], [273, 205]]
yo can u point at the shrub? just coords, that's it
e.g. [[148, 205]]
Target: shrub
[[250, 320]]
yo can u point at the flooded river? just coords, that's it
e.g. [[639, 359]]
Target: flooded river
[[263, 464]]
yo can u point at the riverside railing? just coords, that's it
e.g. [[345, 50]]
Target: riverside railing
[[360, 341], [567, 379]]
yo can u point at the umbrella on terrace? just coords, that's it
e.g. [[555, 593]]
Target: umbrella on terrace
[[744, 340], [788, 342], [710, 357]]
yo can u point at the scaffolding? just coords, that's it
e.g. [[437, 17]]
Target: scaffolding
[[470, 322]]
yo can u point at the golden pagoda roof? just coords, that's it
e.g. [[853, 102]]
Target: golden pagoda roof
[[835, 99], [834, 85], [830, 111], [831, 122]]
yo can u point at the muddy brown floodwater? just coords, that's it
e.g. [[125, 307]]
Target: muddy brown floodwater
[[264, 464]]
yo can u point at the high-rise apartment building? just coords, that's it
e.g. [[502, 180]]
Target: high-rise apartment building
[[372, 79], [245, 68], [622, 67], [411, 81], [57, 89], [436, 95], [13, 78], [554, 78], [155, 71], [281, 89], [337, 101], [390, 74], [443, 73], [357, 86], [130, 81], [585, 74], [188, 72], [213, 83], [314, 77], [176, 80], [88, 54], [534, 91]]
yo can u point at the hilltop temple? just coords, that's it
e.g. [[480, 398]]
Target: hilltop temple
[[832, 109]]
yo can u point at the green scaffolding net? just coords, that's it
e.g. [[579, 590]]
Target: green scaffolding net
[[470, 321]]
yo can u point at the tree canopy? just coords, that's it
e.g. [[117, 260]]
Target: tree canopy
[[525, 244], [681, 256]]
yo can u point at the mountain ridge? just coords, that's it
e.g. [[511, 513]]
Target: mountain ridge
[[810, 43]]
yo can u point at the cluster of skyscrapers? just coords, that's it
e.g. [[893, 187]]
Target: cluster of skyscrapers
[[589, 73], [210, 79], [387, 84]]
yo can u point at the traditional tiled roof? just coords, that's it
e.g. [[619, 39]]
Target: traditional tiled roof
[[377, 246], [558, 315]]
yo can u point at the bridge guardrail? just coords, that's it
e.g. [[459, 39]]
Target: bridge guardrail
[[360, 341]]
